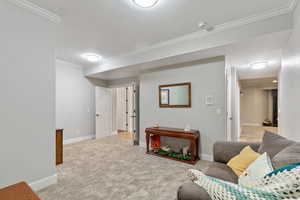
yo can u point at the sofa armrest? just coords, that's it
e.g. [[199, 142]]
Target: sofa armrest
[[192, 191], [224, 151]]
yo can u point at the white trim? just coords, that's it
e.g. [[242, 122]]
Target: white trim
[[251, 124], [37, 10], [43, 183], [206, 157], [115, 132], [78, 139], [70, 64], [143, 144], [218, 28]]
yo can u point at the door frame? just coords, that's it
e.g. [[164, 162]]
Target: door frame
[[232, 104], [135, 103]]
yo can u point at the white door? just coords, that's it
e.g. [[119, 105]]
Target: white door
[[233, 94], [229, 116], [104, 98]]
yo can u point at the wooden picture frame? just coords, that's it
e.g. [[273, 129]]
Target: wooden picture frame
[[165, 96], [163, 105]]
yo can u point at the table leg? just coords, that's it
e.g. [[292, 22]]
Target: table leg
[[147, 141], [193, 149], [197, 150]]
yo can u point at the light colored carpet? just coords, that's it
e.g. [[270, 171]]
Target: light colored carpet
[[112, 169], [255, 133]]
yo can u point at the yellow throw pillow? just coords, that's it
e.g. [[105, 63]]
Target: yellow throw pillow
[[242, 161]]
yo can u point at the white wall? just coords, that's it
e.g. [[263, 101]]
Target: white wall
[[130, 109], [27, 103], [207, 79], [270, 105], [75, 101], [290, 84], [254, 106], [121, 108]]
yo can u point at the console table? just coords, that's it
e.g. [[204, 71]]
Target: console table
[[20, 191], [59, 146], [192, 135]]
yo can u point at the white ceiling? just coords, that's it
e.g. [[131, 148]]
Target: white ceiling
[[239, 55], [115, 27], [263, 83], [267, 48]]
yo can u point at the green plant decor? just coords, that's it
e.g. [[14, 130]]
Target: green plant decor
[[174, 155]]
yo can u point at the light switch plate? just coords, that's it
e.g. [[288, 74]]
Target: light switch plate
[[209, 100]]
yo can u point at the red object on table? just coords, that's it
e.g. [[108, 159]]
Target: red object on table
[[155, 141]]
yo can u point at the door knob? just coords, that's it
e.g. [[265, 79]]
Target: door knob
[[97, 115]]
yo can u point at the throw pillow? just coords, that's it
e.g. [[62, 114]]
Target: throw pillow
[[242, 161], [257, 170], [273, 143], [287, 156], [283, 169]]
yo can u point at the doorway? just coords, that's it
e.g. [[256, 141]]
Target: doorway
[[258, 108], [117, 112], [123, 112]]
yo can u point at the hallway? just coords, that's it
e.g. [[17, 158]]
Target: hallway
[[255, 133]]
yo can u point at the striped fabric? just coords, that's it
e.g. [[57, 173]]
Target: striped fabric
[[284, 185]]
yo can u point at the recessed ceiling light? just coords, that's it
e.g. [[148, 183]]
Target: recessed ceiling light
[[274, 81], [91, 57], [145, 3], [259, 65]]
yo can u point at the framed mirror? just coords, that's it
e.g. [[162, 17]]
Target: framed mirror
[[175, 95]]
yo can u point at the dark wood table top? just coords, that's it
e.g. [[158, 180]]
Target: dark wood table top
[[19, 191], [172, 131]]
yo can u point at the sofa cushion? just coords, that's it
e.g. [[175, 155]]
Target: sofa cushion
[[223, 172], [192, 191], [224, 151], [273, 143], [258, 169], [287, 156], [242, 161]]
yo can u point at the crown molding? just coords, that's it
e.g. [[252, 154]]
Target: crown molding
[[37, 10], [218, 28]]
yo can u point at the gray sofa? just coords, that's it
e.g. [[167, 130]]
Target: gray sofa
[[281, 151]]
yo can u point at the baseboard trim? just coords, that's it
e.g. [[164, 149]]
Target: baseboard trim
[[143, 145], [78, 139], [43, 183], [207, 157], [115, 133]]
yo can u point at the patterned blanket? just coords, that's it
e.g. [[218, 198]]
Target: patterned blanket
[[282, 185]]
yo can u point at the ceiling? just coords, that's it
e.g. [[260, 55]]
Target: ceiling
[[239, 55], [263, 83], [266, 48], [116, 27]]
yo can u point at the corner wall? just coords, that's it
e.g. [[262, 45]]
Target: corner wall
[[75, 102], [27, 102], [208, 79], [290, 83], [253, 106]]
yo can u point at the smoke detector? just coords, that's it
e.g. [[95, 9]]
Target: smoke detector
[[205, 26]]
